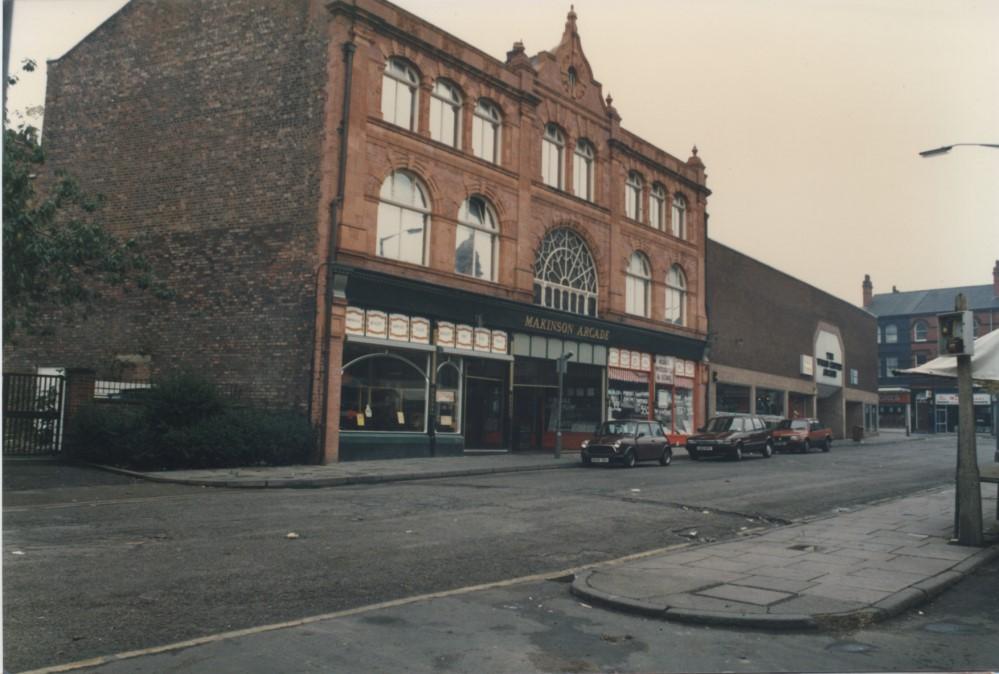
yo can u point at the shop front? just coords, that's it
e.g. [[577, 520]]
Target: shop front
[[433, 371]]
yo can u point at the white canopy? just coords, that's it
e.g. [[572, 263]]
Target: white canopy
[[984, 362]]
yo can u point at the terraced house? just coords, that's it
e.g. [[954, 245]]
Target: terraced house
[[367, 218]]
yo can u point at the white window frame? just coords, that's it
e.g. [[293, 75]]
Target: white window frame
[[891, 363], [445, 113], [487, 227], [657, 206], [638, 281], [392, 207], [678, 219], [676, 295], [552, 157], [916, 330], [891, 334], [487, 122], [582, 169], [565, 274], [399, 77], [633, 196]]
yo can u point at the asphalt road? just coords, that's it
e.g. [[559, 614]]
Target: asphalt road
[[97, 564]]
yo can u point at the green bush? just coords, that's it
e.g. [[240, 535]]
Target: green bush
[[183, 423]]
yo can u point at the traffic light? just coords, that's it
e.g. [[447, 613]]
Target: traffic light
[[956, 337]]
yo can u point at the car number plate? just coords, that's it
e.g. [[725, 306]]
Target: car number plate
[[600, 460]]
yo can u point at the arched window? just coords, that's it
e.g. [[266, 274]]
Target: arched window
[[919, 331], [486, 131], [399, 85], [582, 170], [657, 206], [638, 279], [572, 77], [633, 196], [679, 219], [445, 113], [552, 146], [475, 242], [403, 219], [565, 277], [676, 296], [891, 334]]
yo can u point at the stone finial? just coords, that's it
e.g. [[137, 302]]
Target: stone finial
[[570, 18], [694, 160], [518, 56]]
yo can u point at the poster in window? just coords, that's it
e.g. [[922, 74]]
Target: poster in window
[[377, 324], [625, 357], [445, 334], [646, 362], [688, 368], [354, 321], [613, 357], [679, 368], [483, 339], [399, 327], [419, 330], [499, 341], [445, 396], [463, 336]]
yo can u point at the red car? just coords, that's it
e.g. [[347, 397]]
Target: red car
[[800, 435]]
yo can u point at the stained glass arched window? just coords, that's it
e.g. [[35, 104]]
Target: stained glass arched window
[[565, 277]]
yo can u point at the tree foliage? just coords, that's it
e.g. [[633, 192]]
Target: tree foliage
[[55, 250]]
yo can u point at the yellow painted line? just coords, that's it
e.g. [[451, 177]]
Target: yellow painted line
[[223, 636]]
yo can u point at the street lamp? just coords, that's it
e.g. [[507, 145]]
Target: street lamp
[[561, 364], [947, 148]]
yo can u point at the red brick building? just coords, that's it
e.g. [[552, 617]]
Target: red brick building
[[369, 219]]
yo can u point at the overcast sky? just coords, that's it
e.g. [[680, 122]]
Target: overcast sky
[[809, 115]]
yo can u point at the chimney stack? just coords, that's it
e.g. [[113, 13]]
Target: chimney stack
[[869, 290], [995, 279]]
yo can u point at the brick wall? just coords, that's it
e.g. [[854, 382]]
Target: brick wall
[[763, 319], [202, 124]]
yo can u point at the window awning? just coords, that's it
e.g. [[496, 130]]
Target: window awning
[[618, 374]]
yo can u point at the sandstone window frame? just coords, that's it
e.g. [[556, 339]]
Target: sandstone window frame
[[487, 122], [478, 224], [400, 93], [919, 331], [403, 220], [676, 295], [553, 156], [638, 282]]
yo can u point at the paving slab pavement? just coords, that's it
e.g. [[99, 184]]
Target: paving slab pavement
[[852, 568], [358, 472]]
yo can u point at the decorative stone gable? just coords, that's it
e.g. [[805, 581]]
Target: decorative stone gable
[[566, 69]]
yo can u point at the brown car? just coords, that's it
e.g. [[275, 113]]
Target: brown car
[[800, 435], [627, 442]]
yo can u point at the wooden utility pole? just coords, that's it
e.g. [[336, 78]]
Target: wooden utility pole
[[969, 495]]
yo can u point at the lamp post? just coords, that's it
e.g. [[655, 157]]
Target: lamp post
[[561, 364]]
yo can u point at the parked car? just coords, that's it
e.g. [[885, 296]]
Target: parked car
[[627, 442], [800, 435], [731, 436]]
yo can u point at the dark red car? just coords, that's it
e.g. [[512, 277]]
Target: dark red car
[[800, 435]]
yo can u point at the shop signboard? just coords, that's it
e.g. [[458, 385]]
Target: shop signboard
[[376, 324], [613, 357], [354, 321], [463, 336], [445, 334], [499, 341], [399, 327], [952, 399], [419, 330], [664, 369], [483, 339]]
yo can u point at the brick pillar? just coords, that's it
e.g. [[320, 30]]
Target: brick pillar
[[79, 392], [331, 452]]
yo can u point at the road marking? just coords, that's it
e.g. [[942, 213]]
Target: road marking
[[223, 636]]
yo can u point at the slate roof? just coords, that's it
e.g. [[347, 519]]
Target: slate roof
[[936, 301]]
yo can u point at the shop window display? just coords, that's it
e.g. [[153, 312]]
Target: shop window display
[[769, 401], [448, 396], [384, 392]]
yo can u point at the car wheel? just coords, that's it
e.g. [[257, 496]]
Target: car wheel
[[768, 450], [667, 456], [737, 454], [805, 447], [694, 456], [827, 445], [630, 459]]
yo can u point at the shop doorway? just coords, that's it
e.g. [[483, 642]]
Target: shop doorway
[[533, 427], [485, 411]]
